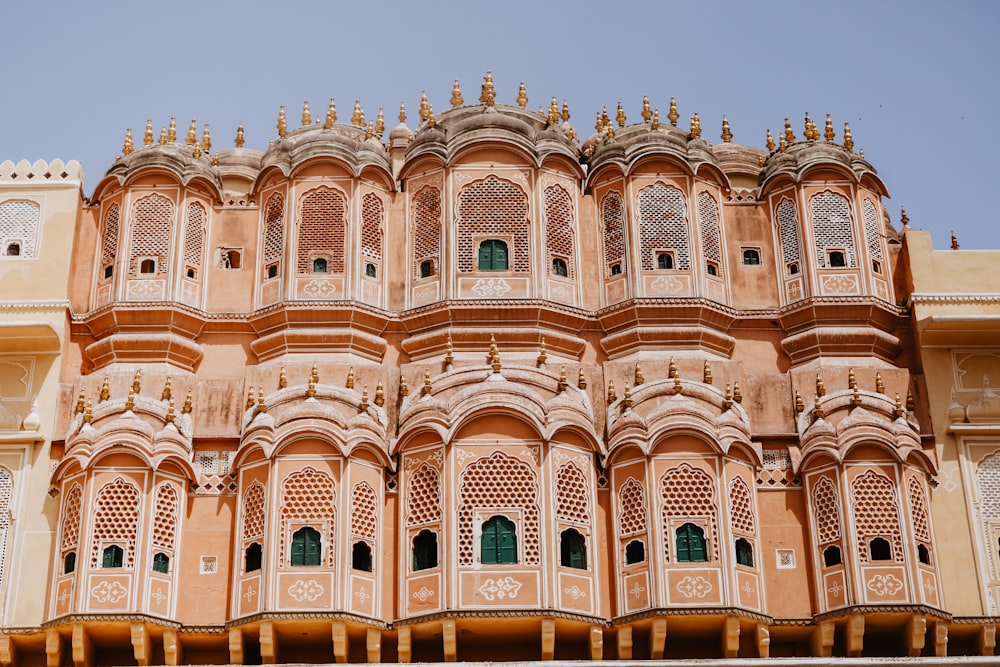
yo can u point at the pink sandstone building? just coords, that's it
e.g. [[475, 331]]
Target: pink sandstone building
[[484, 388]]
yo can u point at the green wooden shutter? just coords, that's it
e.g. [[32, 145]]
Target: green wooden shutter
[[486, 256], [109, 557], [683, 548], [313, 548], [499, 256], [507, 542], [696, 544], [489, 542]]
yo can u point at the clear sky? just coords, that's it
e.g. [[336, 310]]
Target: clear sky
[[919, 82]]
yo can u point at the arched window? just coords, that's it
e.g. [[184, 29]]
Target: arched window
[[880, 549], [425, 550], [923, 554], [616, 269], [426, 268], [69, 562], [253, 557], [664, 260], [361, 557], [572, 549], [712, 268], [114, 556], [691, 544], [147, 266], [306, 546], [499, 541], [751, 257], [635, 552], [161, 563], [13, 249], [272, 271], [744, 553], [493, 255], [831, 556], [319, 265], [370, 270], [837, 259], [559, 267]]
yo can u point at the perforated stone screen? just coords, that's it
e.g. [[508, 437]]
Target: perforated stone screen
[[663, 225], [274, 237], [194, 235], [572, 495], [152, 220], [832, 226], [165, 517], [19, 223], [253, 511], [873, 232], [363, 512], [371, 226], [6, 513], [741, 516], [788, 231], [493, 207], [686, 491], [109, 244], [308, 495], [426, 228], [613, 231], [116, 519], [632, 501], [918, 511], [988, 477], [708, 213], [826, 505], [71, 518], [876, 513], [423, 496], [497, 482], [559, 227], [322, 229]]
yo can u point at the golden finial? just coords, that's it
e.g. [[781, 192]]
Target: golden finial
[[260, 399], [250, 398], [954, 241], [197, 151], [192, 135], [610, 131], [562, 378], [799, 405], [542, 356], [706, 375], [147, 137], [331, 115], [852, 381], [861, 153], [695, 126], [599, 124], [314, 373], [770, 141], [727, 135], [186, 410], [495, 352], [620, 116], [789, 134], [449, 349], [612, 397], [402, 112], [897, 411], [727, 398], [81, 402], [581, 379], [311, 388], [879, 385], [128, 147], [282, 122], [163, 136], [357, 117], [489, 93], [848, 138], [904, 219], [565, 112], [282, 378], [672, 116], [130, 401], [820, 387], [105, 390], [456, 95], [647, 113], [553, 116], [605, 121], [627, 398], [172, 130], [425, 108], [165, 396], [404, 389], [350, 378], [828, 133], [677, 384], [817, 409], [522, 96], [672, 369], [88, 412], [855, 395], [136, 386], [431, 121], [239, 136], [379, 394], [782, 144], [206, 140], [655, 125], [737, 396], [364, 399], [170, 411], [427, 382], [380, 122], [369, 131], [807, 132], [306, 114], [638, 377]]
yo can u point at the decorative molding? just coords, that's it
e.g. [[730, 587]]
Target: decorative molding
[[953, 298]]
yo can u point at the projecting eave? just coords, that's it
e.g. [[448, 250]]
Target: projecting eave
[[29, 337], [801, 159], [172, 159]]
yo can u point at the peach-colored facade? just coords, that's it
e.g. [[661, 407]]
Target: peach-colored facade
[[475, 391]]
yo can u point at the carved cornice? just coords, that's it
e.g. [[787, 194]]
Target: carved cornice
[[947, 298], [691, 611], [868, 609]]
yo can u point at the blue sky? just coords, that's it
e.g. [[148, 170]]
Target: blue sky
[[917, 81]]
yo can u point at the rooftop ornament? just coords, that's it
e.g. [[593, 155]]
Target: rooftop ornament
[[489, 94], [770, 141], [147, 137], [553, 116], [828, 133], [206, 140], [673, 115], [331, 115], [522, 96], [238, 142], [282, 123], [620, 116], [192, 135], [848, 139], [647, 113], [172, 130], [727, 135], [358, 115], [655, 125], [456, 96], [128, 147], [306, 115], [425, 108], [695, 126]]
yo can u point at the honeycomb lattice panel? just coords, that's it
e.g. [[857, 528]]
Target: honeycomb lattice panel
[[686, 491], [498, 209], [613, 231], [322, 230], [663, 226], [116, 519], [559, 227], [876, 513], [150, 232], [423, 496]]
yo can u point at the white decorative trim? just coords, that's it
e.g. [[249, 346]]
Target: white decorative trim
[[954, 297]]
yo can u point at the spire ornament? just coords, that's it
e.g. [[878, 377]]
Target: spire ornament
[[282, 122], [282, 378], [128, 147], [673, 115], [581, 379], [489, 93], [357, 116], [647, 113], [379, 394], [904, 219], [848, 138], [163, 136], [638, 376], [306, 114], [105, 391], [799, 405], [620, 115], [707, 373], [147, 137], [522, 96], [655, 125], [350, 378], [695, 127], [186, 410], [427, 382], [828, 133], [402, 113], [456, 96], [627, 398], [167, 393], [612, 396], [820, 387], [404, 389], [553, 116], [250, 398], [81, 402], [331, 115], [789, 134], [879, 384], [425, 107], [542, 356], [172, 130], [727, 135], [380, 122], [565, 112], [206, 140], [770, 141], [192, 135], [238, 142]]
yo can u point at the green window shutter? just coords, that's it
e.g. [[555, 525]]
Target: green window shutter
[[313, 548], [306, 547], [109, 558], [499, 256], [489, 542], [161, 563], [486, 256], [683, 549], [696, 544], [507, 548]]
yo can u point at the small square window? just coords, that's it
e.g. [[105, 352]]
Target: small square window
[[272, 271], [616, 269], [664, 260], [793, 268], [109, 271], [191, 273], [230, 258], [370, 270], [712, 268], [209, 565], [836, 259], [147, 266], [751, 257], [876, 266], [785, 559], [426, 268]]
